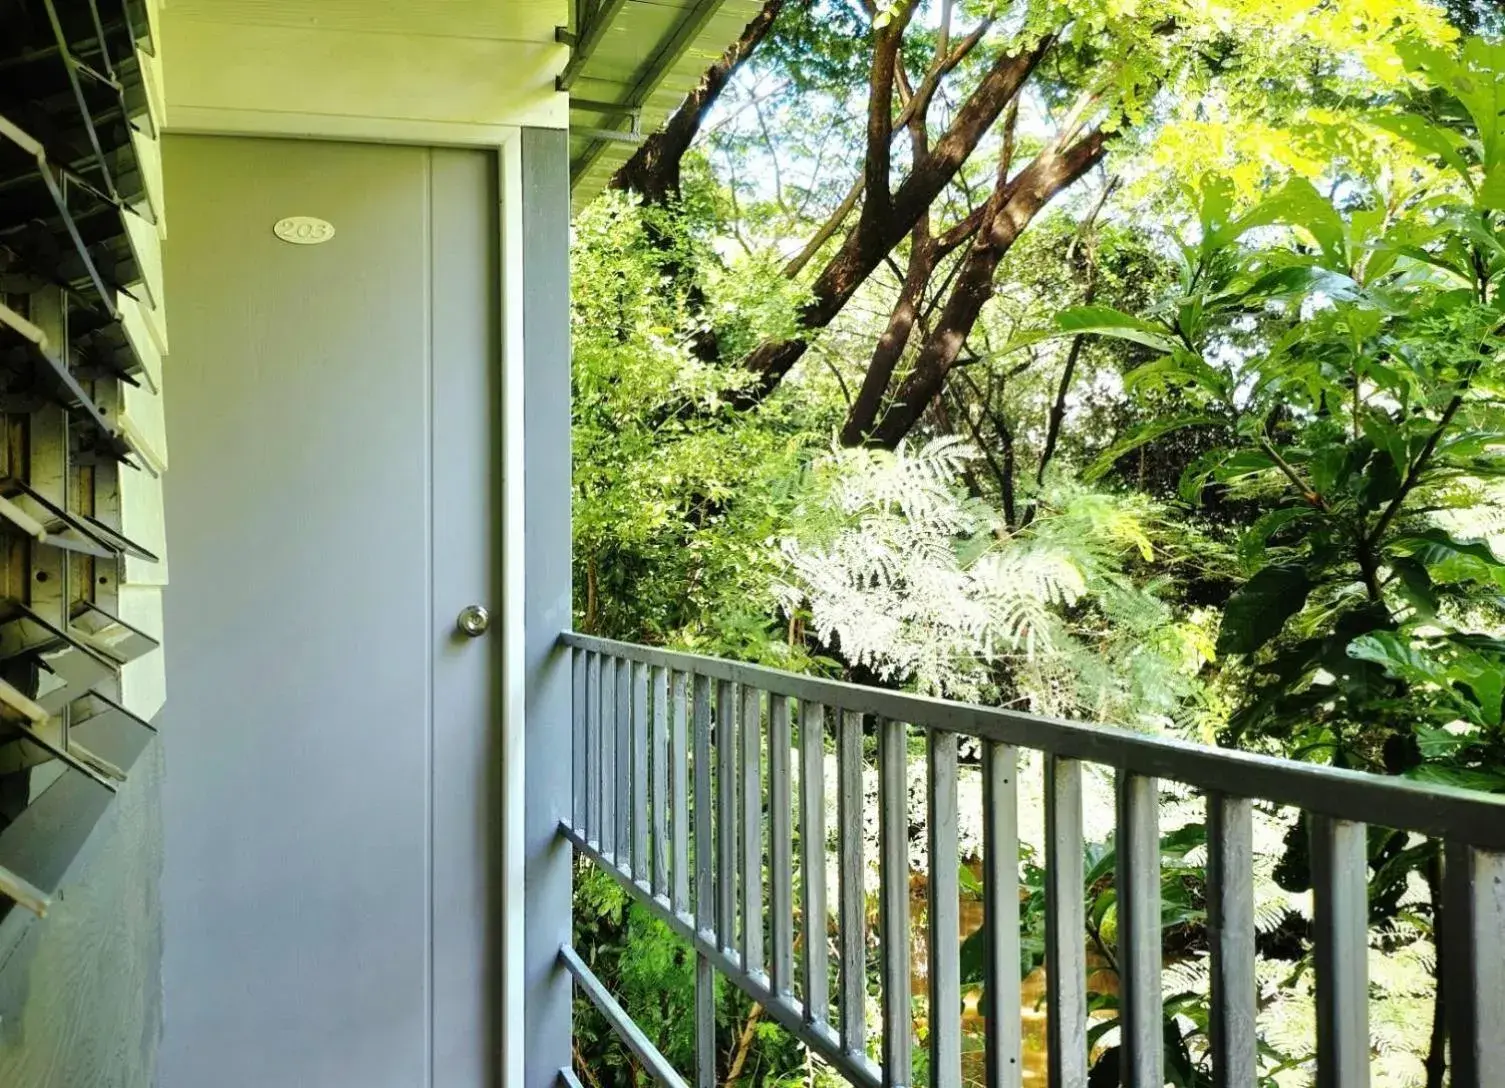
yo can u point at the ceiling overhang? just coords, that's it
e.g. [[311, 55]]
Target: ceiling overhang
[[631, 64]]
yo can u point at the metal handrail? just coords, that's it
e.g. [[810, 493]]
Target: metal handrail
[[654, 731]]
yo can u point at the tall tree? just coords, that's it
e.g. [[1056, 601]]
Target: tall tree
[[966, 82]]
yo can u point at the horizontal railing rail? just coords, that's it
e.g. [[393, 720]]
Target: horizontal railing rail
[[684, 772]]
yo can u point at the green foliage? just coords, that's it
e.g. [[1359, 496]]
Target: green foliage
[[652, 975], [1269, 511], [921, 583], [1363, 404], [675, 495], [1339, 357], [1182, 916]]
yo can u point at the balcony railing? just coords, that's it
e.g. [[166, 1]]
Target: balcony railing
[[682, 763]]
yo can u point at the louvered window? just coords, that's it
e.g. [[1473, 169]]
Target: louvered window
[[77, 243]]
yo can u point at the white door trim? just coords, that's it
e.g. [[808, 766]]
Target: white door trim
[[514, 680]]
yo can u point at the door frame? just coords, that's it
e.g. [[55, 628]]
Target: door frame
[[514, 694]]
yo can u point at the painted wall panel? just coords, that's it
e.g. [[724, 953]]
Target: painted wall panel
[[149, 155], [148, 247], [513, 20], [281, 78], [141, 418], [135, 319], [140, 318]]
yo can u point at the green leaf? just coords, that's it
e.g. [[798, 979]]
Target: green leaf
[[1475, 76], [1437, 260], [1329, 466], [1450, 560], [1253, 544], [1400, 658], [1435, 743], [1381, 430], [1427, 138], [1096, 321], [1298, 204], [1260, 608], [1381, 481], [1180, 368], [1486, 680], [1472, 444], [1414, 585], [1195, 475], [1244, 463], [1214, 212], [1222, 465], [1467, 778]]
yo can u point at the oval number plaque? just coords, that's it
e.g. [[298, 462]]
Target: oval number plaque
[[303, 230]]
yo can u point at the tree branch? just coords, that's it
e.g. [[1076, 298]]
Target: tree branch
[[1005, 472], [827, 229], [874, 236], [1011, 207], [1074, 354], [890, 346], [878, 161]]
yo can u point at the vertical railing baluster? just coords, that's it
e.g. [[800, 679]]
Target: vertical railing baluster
[[780, 846], [679, 751], [893, 882], [1000, 901], [752, 830], [608, 694], [658, 804], [1340, 947], [705, 909], [1473, 964], [945, 922], [814, 917], [593, 749], [1065, 925], [641, 801], [705, 1022], [1230, 926], [1138, 884], [624, 765], [578, 772], [726, 814], [853, 913]]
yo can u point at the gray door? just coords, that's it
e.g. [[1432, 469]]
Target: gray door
[[331, 414]]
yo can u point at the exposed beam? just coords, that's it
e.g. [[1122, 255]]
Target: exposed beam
[[609, 135], [685, 32], [587, 38]]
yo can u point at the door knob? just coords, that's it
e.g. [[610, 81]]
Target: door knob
[[473, 620]]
